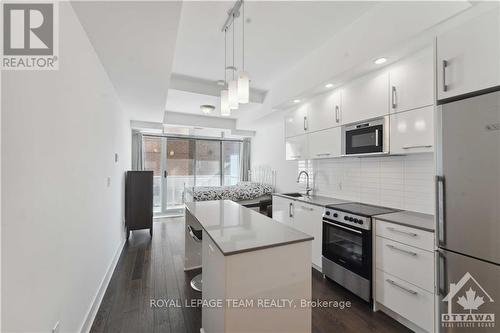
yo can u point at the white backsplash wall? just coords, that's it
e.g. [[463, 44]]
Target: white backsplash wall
[[402, 182]]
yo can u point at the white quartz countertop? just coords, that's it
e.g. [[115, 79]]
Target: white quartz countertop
[[410, 219], [235, 229]]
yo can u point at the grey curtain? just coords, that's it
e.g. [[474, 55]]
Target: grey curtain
[[245, 159], [137, 159]]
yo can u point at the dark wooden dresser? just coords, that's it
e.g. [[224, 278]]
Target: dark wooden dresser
[[139, 201]]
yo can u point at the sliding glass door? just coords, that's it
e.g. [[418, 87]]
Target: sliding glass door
[[208, 171], [179, 162], [153, 154], [179, 173], [231, 162]]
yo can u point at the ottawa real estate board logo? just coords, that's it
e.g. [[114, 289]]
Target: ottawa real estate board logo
[[469, 305], [30, 36]]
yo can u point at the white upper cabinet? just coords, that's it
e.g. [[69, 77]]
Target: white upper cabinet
[[325, 143], [366, 98], [468, 57], [412, 83], [412, 131], [295, 121], [324, 111], [296, 147]]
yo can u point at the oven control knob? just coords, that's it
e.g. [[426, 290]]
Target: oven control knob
[[356, 220], [360, 221], [346, 218], [335, 215], [327, 213], [351, 219]]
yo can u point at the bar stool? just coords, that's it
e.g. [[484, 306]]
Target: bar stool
[[197, 236]]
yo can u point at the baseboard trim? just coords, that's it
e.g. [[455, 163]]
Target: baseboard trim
[[89, 318]]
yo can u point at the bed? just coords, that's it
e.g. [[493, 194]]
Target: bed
[[247, 193]]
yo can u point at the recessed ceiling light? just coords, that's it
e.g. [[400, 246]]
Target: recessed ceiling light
[[328, 85], [296, 100], [380, 61], [206, 109]]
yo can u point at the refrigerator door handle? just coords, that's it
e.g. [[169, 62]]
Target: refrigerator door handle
[[441, 273], [440, 210]]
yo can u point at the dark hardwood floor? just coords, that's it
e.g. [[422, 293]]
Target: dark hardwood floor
[[153, 269]]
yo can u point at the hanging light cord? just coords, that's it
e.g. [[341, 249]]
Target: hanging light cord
[[225, 57], [234, 24], [243, 39]]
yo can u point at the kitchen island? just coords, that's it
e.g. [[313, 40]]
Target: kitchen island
[[256, 271]]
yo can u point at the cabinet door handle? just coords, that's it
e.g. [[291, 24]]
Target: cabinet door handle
[[307, 208], [165, 173], [445, 64], [413, 292], [418, 146], [412, 234], [295, 156], [402, 250], [376, 138], [323, 154], [394, 97], [305, 123], [337, 116], [290, 208]]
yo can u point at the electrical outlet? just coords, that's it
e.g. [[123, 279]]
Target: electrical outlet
[[56, 328], [116, 157]]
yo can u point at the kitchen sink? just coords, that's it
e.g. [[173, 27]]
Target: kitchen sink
[[293, 195]]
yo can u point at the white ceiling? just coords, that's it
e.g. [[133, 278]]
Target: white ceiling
[[135, 41], [278, 36], [188, 102]]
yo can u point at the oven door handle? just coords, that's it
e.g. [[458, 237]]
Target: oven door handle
[[341, 226]]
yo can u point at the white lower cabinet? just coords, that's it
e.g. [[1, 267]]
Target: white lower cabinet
[[303, 217], [325, 143], [308, 218], [296, 147], [412, 131], [406, 299], [282, 209], [405, 273]]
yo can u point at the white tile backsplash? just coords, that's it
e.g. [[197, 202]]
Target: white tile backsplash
[[402, 182]]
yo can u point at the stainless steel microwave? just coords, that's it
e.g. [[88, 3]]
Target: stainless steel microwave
[[369, 137]]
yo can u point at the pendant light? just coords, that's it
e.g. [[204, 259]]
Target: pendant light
[[243, 80], [225, 110], [233, 84]]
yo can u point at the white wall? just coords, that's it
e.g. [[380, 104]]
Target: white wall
[[61, 222], [402, 182], [268, 149]]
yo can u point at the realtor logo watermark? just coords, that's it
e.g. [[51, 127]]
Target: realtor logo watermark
[[468, 305], [30, 36]]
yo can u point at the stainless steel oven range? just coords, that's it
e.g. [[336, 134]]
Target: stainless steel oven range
[[347, 245]]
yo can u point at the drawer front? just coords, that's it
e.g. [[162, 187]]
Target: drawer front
[[406, 262], [406, 235], [409, 301]]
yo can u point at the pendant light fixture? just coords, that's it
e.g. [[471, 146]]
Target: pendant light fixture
[[233, 84], [243, 80], [225, 110]]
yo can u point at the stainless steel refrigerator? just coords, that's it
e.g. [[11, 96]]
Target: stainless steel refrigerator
[[468, 214]]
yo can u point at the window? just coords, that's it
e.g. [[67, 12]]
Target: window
[[208, 163], [231, 162]]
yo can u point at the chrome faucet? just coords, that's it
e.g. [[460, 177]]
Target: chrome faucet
[[308, 189]]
